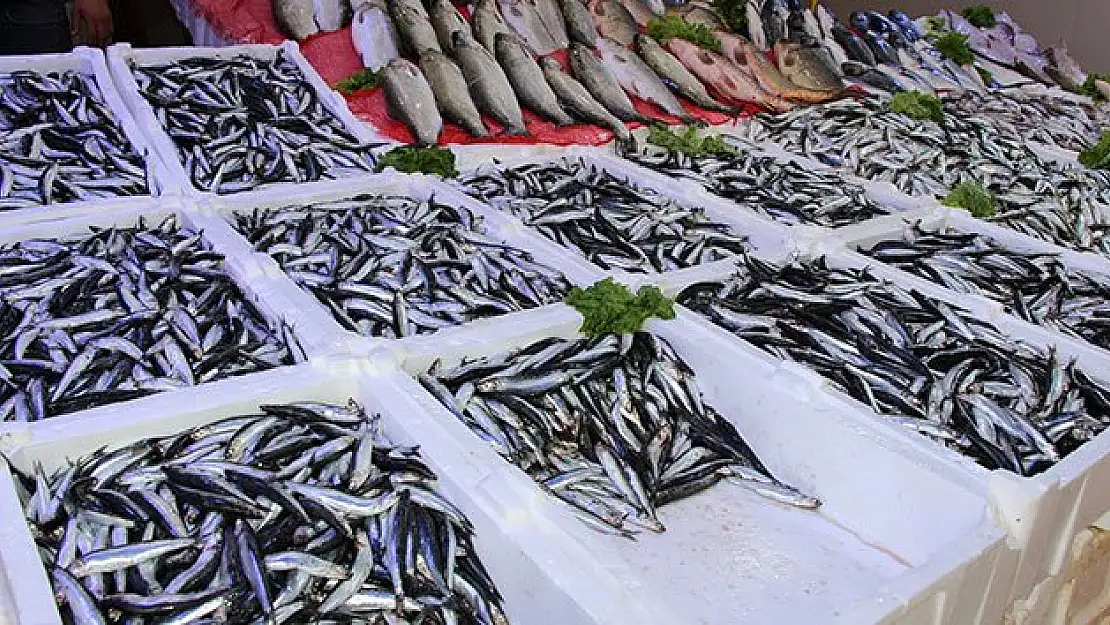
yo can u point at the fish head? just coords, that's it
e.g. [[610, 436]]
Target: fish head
[[403, 66], [506, 42]]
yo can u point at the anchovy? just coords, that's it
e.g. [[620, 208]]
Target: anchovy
[[244, 122], [60, 142], [122, 313], [927, 365], [614, 426], [610, 221], [254, 545], [784, 191], [1037, 287], [1064, 123], [396, 267]]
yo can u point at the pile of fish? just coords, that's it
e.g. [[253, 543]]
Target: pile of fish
[[300, 514], [59, 142], [1050, 120], [1065, 206], [396, 267], [613, 426], [920, 362], [244, 122], [610, 221], [1037, 287], [784, 191], [119, 314]]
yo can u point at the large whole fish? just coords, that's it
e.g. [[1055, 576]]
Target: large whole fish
[[638, 79], [605, 88], [446, 20], [451, 93], [296, 18], [373, 35], [486, 20], [331, 15], [579, 23], [488, 84], [527, 79], [523, 17], [856, 48], [676, 75], [414, 26], [576, 99], [738, 50], [614, 21], [551, 16], [299, 513], [410, 99], [809, 67], [722, 76]]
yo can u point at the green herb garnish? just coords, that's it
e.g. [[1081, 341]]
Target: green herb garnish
[[735, 14], [611, 308], [688, 142], [987, 77], [420, 160], [979, 15], [663, 29], [1090, 89], [973, 197], [366, 79], [918, 105], [1098, 155], [954, 46]]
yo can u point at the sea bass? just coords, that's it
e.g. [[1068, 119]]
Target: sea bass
[[638, 79], [488, 84], [486, 21], [577, 99], [580, 26], [446, 20], [671, 70], [602, 84], [551, 15], [414, 26], [411, 100], [452, 96], [524, 19], [373, 35], [528, 80], [296, 18], [726, 79], [614, 21]]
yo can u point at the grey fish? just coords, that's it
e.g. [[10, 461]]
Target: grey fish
[[579, 23], [296, 18], [638, 79], [592, 73], [551, 15], [523, 17], [259, 546], [644, 460], [411, 100], [574, 97], [194, 100], [446, 20], [614, 21], [528, 80], [488, 84], [414, 25], [487, 21], [677, 76], [172, 319], [373, 35], [342, 252], [451, 94], [331, 15]]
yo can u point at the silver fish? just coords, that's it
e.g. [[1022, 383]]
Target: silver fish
[[667, 67], [414, 25], [373, 35], [601, 83], [451, 94], [411, 100], [487, 21], [576, 99], [638, 79], [446, 20], [527, 79], [488, 84], [523, 17], [580, 26]]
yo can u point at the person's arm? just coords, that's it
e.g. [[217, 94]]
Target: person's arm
[[92, 19]]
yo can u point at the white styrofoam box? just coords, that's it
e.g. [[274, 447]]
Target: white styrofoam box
[[242, 270], [762, 233], [1041, 514], [90, 62], [544, 577], [892, 525], [122, 55], [321, 332]]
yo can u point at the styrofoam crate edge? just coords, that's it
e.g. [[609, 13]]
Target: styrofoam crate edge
[[91, 62]]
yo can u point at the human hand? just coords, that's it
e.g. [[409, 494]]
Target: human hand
[[92, 20]]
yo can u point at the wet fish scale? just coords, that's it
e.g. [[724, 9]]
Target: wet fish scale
[[395, 267], [244, 122], [612, 222], [254, 543], [613, 426], [59, 142], [922, 363], [122, 313]]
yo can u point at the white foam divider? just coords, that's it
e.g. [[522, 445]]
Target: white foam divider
[[91, 62], [121, 55]]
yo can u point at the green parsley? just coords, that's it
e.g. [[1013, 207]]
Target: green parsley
[[973, 197], [663, 29], [917, 105], [610, 308], [366, 79], [425, 160]]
